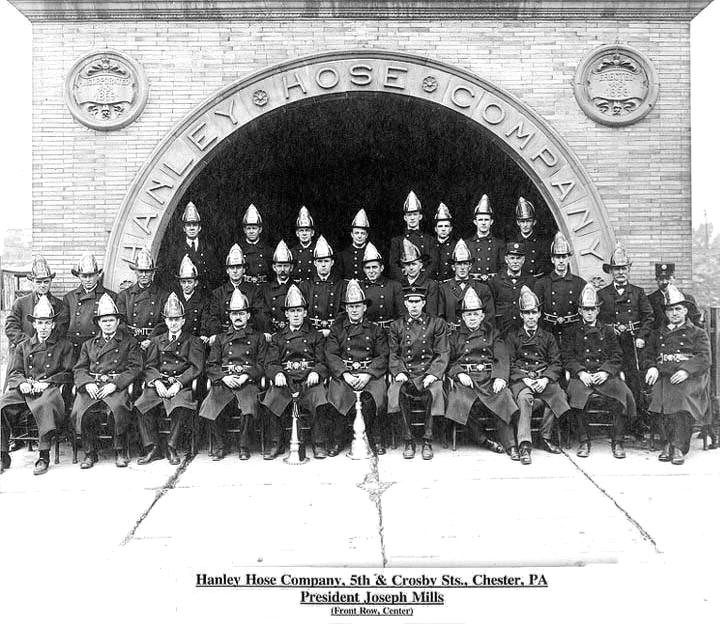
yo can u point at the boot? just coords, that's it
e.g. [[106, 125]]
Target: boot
[[665, 454], [5, 459], [120, 460], [525, 457], [152, 455], [42, 465], [584, 449]]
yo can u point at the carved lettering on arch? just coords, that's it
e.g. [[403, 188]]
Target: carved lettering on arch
[[297, 83], [585, 220], [519, 130], [592, 249], [142, 221], [177, 171], [133, 252], [565, 187], [158, 185]]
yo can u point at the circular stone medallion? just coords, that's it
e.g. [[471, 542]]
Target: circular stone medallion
[[106, 90], [616, 85]]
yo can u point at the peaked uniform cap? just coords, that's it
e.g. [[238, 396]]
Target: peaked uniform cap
[[187, 269], [143, 261], [516, 248], [235, 256], [483, 207], [190, 214], [371, 254], [471, 301], [282, 254], [664, 269], [618, 258], [414, 291], [173, 307], [322, 249], [40, 269], [672, 296], [560, 246], [87, 265], [361, 220], [106, 307], [251, 216], [412, 203], [524, 209], [43, 309], [294, 298], [528, 300], [461, 253], [304, 219], [443, 213], [410, 252], [589, 297], [238, 301], [354, 293]]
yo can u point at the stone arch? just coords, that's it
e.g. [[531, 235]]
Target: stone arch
[[524, 135]]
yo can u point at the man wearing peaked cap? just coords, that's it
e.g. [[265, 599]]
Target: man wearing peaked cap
[[324, 291], [357, 357], [487, 250], [108, 364], [535, 370], [38, 368], [537, 257], [665, 275], [296, 363], [258, 255], [195, 300], [349, 264], [412, 213], [444, 242], [80, 303], [677, 363], [413, 261], [479, 366], [506, 286], [235, 370], [303, 252], [385, 299], [419, 354], [142, 303], [592, 356], [452, 291], [272, 294], [175, 359]]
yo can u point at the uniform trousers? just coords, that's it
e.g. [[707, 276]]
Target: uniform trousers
[[526, 401], [619, 421], [219, 427], [91, 425], [478, 420], [147, 424], [278, 430], [677, 429], [11, 416], [341, 422], [412, 397]]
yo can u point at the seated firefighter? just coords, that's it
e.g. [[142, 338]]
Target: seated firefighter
[[295, 363], [592, 356], [419, 355], [535, 369], [677, 360], [174, 360], [234, 369], [357, 356], [107, 365], [38, 368], [479, 366]]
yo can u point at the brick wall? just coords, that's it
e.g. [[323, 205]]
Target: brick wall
[[642, 172]]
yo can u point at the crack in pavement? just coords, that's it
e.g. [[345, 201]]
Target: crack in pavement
[[169, 485], [375, 488]]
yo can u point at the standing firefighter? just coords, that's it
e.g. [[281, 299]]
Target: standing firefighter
[[413, 261], [537, 259], [412, 213], [303, 251], [324, 290], [257, 254], [664, 276], [272, 294], [385, 299], [195, 300], [487, 250], [444, 242], [506, 286], [350, 259]]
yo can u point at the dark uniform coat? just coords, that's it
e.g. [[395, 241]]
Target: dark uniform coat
[[535, 357], [218, 319], [50, 361], [303, 261], [592, 349], [120, 359], [349, 263], [258, 261], [657, 301], [537, 255], [205, 260], [505, 290], [444, 254], [559, 300], [19, 328], [181, 360], [480, 353], [142, 308], [80, 307], [356, 348], [234, 352], [418, 347], [428, 250], [386, 300], [620, 311], [683, 348], [432, 290], [323, 298], [296, 354], [451, 296], [197, 312], [270, 302], [489, 255]]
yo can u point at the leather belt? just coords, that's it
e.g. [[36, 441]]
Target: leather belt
[[104, 377], [319, 323], [554, 319], [171, 379], [533, 374], [630, 327], [673, 357], [234, 369], [384, 324], [140, 331], [278, 324], [255, 279], [357, 365], [482, 276], [454, 326], [476, 368], [297, 365]]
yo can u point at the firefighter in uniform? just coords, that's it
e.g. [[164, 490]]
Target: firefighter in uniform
[[235, 370], [412, 213], [665, 275], [357, 356], [487, 250], [141, 304], [38, 368], [506, 286], [80, 303], [592, 356], [535, 369], [677, 362], [453, 291], [537, 259], [444, 243], [257, 254], [195, 301], [296, 363], [107, 365], [559, 291], [303, 251], [350, 259], [324, 291], [272, 294], [419, 355], [413, 261], [479, 368], [385, 299], [174, 360]]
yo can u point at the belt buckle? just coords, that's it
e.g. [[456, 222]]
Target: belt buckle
[[171, 380], [560, 320], [104, 378], [295, 365], [356, 366], [622, 328]]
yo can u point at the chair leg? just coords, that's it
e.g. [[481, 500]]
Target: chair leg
[[454, 437], [57, 447]]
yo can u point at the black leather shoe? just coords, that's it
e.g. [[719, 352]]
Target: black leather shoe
[[379, 447], [665, 454], [120, 460], [89, 460], [244, 453], [525, 457], [152, 455], [173, 456], [42, 465], [409, 451], [493, 446], [5, 459], [583, 449], [513, 452], [272, 452], [618, 450], [549, 446], [427, 452], [334, 450], [678, 457], [319, 451], [218, 454]]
